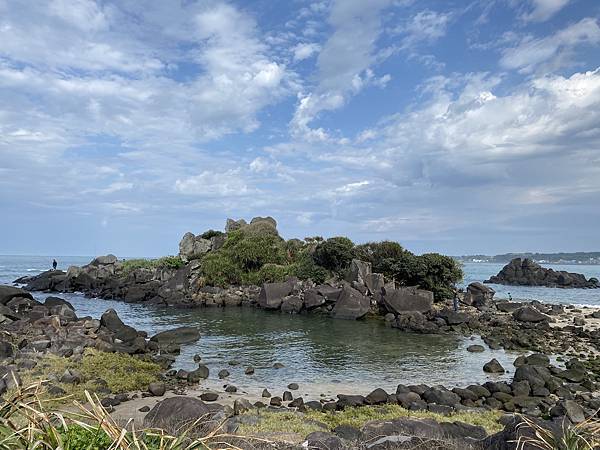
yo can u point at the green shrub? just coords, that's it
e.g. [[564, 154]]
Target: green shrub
[[269, 273], [166, 262], [305, 268], [439, 273], [219, 269], [334, 254], [211, 233]]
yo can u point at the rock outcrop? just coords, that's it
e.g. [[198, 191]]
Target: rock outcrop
[[526, 272]]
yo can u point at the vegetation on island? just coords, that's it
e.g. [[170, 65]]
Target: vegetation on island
[[166, 262], [256, 254]]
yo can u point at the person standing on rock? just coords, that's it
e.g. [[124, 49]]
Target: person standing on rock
[[54, 264], [455, 300]]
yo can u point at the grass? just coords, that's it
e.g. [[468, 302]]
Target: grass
[[121, 372], [27, 424], [166, 262], [286, 422]]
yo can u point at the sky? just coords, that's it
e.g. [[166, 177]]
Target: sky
[[451, 126]]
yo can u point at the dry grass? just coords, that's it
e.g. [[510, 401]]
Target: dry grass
[[583, 436]]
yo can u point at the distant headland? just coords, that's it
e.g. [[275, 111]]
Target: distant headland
[[541, 258]]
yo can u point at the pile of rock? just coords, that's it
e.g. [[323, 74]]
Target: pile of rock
[[526, 272]]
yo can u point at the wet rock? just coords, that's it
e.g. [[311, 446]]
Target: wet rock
[[230, 388], [224, 373], [266, 393], [475, 348], [249, 371], [181, 335], [112, 322], [493, 366], [292, 304], [275, 401], [293, 386], [287, 396], [200, 373], [144, 409]]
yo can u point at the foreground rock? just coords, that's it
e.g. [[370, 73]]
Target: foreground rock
[[526, 272]]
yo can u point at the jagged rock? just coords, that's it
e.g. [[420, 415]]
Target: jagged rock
[[291, 304], [408, 299], [272, 294], [351, 305], [7, 293], [112, 322], [193, 247], [526, 272], [478, 294], [104, 260]]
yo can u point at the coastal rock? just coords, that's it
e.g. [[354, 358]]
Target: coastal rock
[[351, 305], [193, 247], [272, 294], [529, 314], [7, 293], [408, 299], [493, 366], [176, 410], [478, 294], [180, 335], [526, 272], [113, 322]]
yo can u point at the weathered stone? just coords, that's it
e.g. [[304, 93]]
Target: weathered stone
[[272, 294], [529, 314], [176, 410], [181, 335], [478, 294], [291, 304], [193, 247], [351, 305], [475, 348], [408, 299], [493, 366], [157, 388]]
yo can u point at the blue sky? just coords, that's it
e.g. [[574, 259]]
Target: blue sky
[[451, 126]]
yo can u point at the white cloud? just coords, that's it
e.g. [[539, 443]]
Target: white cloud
[[543, 10], [424, 27], [213, 184], [530, 53], [343, 63], [304, 51]]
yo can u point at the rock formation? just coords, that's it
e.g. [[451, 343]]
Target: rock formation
[[526, 272]]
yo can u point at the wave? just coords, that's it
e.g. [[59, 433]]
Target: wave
[[34, 270]]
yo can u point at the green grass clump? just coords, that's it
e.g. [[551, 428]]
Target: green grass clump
[[120, 372], [272, 422], [166, 262]]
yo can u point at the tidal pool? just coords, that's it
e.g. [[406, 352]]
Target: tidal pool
[[332, 356]]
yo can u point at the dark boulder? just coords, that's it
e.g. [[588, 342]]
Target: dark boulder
[[408, 299], [351, 305], [493, 366], [272, 294], [112, 322], [177, 411], [7, 293], [529, 314], [181, 335], [441, 396], [478, 294]]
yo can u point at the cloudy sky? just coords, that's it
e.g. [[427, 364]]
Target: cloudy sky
[[453, 126]]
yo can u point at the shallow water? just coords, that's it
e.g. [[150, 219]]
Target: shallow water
[[315, 350]]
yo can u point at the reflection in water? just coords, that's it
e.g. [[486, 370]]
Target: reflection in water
[[313, 348]]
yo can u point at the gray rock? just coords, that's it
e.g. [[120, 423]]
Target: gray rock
[[408, 299], [224, 373], [201, 373], [272, 294], [475, 348], [176, 411], [351, 304], [181, 335], [493, 366], [291, 304], [320, 440], [157, 388], [478, 294], [529, 314], [193, 247], [441, 396]]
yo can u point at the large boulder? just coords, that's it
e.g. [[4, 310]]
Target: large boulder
[[7, 293], [478, 294], [351, 304], [193, 247], [111, 321], [104, 260], [526, 272], [181, 335], [408, 299], [360, 272], [272, 294], [529, 314], [178, 411]]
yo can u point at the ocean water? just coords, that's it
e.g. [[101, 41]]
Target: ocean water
[[334, 355]]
